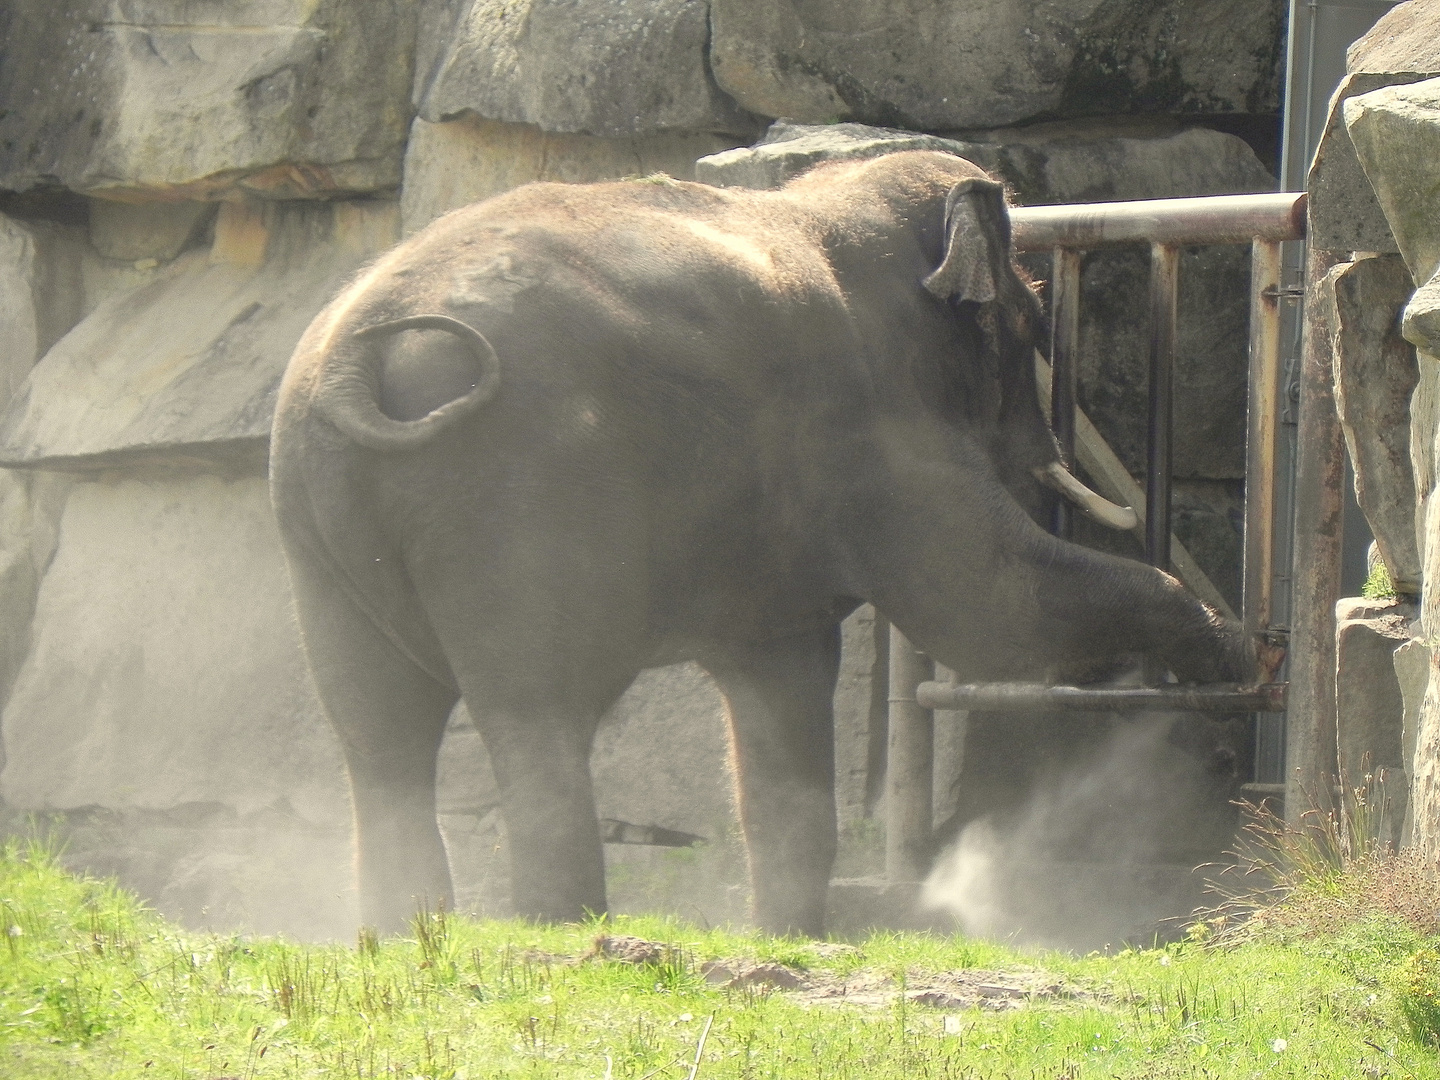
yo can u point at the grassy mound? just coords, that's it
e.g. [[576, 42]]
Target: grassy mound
[[94, 985]]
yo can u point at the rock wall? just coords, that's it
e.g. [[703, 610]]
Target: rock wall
[[1374, 208], [183, 185]]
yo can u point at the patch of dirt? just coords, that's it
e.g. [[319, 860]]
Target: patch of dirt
[[632, 950], [969, 988]]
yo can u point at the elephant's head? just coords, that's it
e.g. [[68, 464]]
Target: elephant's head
[[978, 274]]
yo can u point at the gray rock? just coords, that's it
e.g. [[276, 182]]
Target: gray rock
[[1375, 375], [789, 149], [860, 714], [1396, 133], [165, 666], [273, 96], [601, 67], [149, 230], [1420, 324], [1405, 38], [193, 358], [1370, 710], [933, 65], [1412, 672], [1343, 210], [461, 161], [1112, 159], [41, 293]]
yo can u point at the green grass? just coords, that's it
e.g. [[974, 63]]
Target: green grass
[[1378, 585], [94, 985]]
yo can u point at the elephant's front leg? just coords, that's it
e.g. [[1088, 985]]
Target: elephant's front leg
[[542, 766], [779, 696]]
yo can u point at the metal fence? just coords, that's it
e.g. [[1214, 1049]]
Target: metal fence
[[1262, 221]]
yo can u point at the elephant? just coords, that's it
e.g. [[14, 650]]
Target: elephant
[[575, 431]]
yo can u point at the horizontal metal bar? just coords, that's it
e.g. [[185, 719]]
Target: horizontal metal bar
[[1262, 789], [1018, 697], [1213, 219]]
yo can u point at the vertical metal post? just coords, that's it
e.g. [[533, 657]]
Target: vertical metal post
[[1064, 362], [1319, 531], [910, 766], [1262, 424], [1164, 283]]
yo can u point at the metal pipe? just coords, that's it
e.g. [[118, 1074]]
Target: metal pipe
[[1262, 426], [1213, 219], [1319, 531], [1064, 366], [1164, 290], [1022, 697], [909, 766]]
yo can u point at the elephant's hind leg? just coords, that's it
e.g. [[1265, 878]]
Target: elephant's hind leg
[[780, 699], [390, 717]]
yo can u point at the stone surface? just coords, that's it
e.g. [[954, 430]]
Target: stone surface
[[1396, 133], [1412, 673], [1425, 776], [193, 358], [1343, 210], [1071, 161], [166, 663], [1370, 710], [1375, 375], [1111, 159], [603, 67], [41, 293], [149, 230], [1092, 161], [787, 149], [1400, 48], [933, 65], [462, 161], [1405, 38], [285, 97]]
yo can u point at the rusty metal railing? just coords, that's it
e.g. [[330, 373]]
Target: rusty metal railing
[[1262, 221]]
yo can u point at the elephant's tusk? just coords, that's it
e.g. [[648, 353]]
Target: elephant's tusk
[[1101, 509]]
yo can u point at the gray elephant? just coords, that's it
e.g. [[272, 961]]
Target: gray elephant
[[577, 431]]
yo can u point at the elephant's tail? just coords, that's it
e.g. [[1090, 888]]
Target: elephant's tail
[[349, 392]]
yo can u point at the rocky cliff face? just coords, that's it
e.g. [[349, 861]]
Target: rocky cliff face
[[183, 183]]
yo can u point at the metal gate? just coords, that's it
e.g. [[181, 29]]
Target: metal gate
[[1167, 225]]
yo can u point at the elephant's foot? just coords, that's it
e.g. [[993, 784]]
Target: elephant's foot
[[402, 870], [788, 905]]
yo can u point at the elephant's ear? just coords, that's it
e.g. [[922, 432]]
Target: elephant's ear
[[977, 243]]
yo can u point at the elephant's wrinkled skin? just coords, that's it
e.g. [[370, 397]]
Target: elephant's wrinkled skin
[[713, 422]]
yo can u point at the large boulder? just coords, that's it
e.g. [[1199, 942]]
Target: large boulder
[[163, 97], [1396, 134], [191, 360], [1403, 39], [41, 293], [602, 67], [1395, 131], [1375, 375], [152, 584], [460, 161], [936, 65], [1402, 47]]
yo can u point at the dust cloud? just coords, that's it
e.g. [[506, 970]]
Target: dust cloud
[[1104, 851]]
